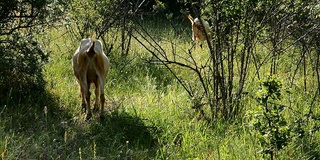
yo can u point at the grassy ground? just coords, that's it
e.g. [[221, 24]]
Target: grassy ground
[[148, 114]]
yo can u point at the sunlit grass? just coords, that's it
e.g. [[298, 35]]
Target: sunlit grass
[[148, 113]]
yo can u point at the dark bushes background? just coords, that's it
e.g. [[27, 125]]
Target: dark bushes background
[[21, 57]]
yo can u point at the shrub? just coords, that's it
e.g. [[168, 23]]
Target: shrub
[[268, 119], [21, 56], [21, 60]]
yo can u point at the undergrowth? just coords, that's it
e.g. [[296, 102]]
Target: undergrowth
[[148, 115]]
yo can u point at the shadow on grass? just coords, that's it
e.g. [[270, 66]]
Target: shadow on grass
[[29, 124], [124, 136], [118, 136], [27, 114], [32, 132]]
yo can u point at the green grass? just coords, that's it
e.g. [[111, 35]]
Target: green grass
[[148, 113]]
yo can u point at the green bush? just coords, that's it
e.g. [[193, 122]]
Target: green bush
[[268, 118], [21, 60], [21, 57]]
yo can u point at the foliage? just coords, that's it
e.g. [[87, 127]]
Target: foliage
[[95, 17], [20, 64], [268, 117], [234, 32], [21, 56], [159, 76], [99, 18], [273, 129]]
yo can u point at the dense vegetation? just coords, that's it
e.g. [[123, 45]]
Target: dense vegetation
[[250, 93]]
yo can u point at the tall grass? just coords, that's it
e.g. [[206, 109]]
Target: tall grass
[[148, 113]]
